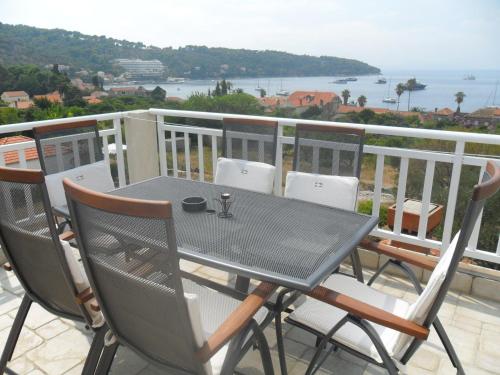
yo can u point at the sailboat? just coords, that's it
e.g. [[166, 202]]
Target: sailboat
[[493, 105], [388, 98], [282, 92], [258, 88]]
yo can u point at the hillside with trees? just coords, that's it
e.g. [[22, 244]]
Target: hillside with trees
[[30, 45]]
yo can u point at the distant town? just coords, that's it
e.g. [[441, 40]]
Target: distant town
[[327, 105]]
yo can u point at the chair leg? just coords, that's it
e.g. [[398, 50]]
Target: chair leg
[[448, 346], [17, 326], [265, 354], [96, 349], [106, 360], [280, 343], [357, 269], [378, 273]]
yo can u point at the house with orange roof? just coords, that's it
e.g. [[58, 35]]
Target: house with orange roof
[[306, 99], [53, 97], [91, 99], [122, 91], [485, 117], [24, 105], [11, 158], [12, 97]]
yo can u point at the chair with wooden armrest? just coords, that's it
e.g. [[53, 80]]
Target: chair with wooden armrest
[[72, 150], [377, 327], [168, 320], [42, 260]]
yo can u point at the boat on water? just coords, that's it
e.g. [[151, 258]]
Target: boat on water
[[388, 98], [418, 86], [283, 93], [175, 80], [381, 81], [351, 79], [340, 81], [469, 77]]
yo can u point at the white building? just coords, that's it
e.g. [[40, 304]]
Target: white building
[[12, 97], [142, 69]]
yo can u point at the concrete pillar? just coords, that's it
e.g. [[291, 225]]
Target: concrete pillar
[[142, 146]]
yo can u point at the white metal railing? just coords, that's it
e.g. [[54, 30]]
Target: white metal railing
[[206, 152], [169, 132], [20, 148]]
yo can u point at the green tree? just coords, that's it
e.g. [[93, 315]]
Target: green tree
[[43, 103], [400, 89], [55, 68], [459, 98], [223, 87], [346, 94], [73, 97], [362, 101], [158, 94], [262, 93], [410, 86], [217, 91]]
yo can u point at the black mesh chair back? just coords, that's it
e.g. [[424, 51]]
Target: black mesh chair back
[[31, 244], [129, 251], [67, 146], [252, 140], [328, 150]]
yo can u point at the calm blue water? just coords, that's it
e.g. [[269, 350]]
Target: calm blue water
[[441, 87]]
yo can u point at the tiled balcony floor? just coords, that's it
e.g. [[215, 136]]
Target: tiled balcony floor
[[49, 345]]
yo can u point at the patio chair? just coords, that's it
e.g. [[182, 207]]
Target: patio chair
[[153, 308], [72, 150], [377, 327], [249, 154], [42, 260], [326, 170]]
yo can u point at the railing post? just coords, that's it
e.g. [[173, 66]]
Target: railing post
[[142, 145], [452, 195], [278, 189]]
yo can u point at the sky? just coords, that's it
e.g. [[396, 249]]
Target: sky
[[389, 34]]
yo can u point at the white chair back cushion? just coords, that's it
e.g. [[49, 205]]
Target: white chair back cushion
[[95, 176], [419, 310], [80, 279], [193, 306], [333, 191], [244, 174]]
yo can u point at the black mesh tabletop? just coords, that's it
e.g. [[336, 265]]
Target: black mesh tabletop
[[281, 240]]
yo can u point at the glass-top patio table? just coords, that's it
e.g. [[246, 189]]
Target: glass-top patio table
[[288, 242]]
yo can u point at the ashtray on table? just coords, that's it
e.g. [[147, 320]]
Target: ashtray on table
[[194, 204]]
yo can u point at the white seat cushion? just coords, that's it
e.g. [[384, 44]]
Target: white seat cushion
[[80, 279], [208, 309], [95, 176], [333, 191], [322, 317], [244, 174]]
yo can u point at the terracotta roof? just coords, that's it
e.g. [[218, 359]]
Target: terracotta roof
[[444, 112], [12, 157], [123, 89], [272, 101], [15, 93], [486, 112], [174, 99], [92, 99], [24, 104], [310, 98], [53, 97], [351, 108]]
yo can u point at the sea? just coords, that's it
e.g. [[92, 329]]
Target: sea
[[439, 93]]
